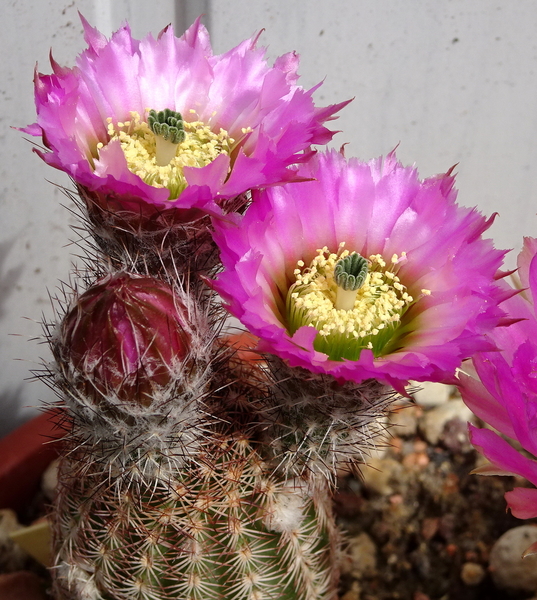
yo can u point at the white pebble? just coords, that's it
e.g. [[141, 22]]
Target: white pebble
[[433, 422], [509, 570], [49, 481], [361, 556], [431, 394]]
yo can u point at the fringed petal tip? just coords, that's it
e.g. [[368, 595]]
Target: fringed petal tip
[[530, 551], [490, 469]]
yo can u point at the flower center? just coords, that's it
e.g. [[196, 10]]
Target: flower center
[[157, 150], [353, 302]]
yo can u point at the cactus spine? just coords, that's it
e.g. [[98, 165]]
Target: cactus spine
[[220, 526]]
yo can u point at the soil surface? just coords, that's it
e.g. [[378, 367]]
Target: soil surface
[[419, 525]]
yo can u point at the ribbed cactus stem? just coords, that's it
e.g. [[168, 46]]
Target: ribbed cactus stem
[[222, 526]]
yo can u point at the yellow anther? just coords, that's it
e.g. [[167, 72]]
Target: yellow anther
[[200, 147], [368, 323]]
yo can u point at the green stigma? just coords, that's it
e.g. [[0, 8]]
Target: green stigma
[[350, 274], [168, 124], [169, 130]]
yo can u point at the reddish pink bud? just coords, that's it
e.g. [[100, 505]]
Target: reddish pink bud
[[126, 336]]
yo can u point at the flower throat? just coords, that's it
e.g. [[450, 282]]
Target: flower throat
[[353, 302], [158, 149]]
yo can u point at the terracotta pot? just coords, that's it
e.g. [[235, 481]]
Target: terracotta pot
[[25, 453]]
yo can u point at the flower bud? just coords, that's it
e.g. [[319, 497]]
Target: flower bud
[[126, 337]]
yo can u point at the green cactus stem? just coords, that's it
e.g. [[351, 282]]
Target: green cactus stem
[[221, 526]]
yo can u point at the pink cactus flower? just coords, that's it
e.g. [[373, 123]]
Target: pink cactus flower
[[363, 272], [147, 125], [504, 394]]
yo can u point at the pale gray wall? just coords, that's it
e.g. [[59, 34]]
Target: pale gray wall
[[450, 81], [35, 227]]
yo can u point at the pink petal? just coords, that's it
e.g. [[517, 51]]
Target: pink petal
[[502, 454], [485, 406], [524, 259], [522, 502]]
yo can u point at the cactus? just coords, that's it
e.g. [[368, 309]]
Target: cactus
[[194, 469], [167, 488], [167, 485], [157, 524]]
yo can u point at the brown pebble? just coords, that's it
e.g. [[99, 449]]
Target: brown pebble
[[353, 593], [361, 557], [451, 484], [415, 460], [396, 499], [396, 445], [420, 446], [422, 459], [429, 527], [21, 585], [472, 573], [404, 421]]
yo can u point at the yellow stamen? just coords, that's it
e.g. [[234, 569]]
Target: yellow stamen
[[139, 144], [347, 325]]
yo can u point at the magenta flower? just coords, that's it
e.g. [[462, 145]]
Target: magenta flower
[[505, 396], [364, 272], [153, 124]]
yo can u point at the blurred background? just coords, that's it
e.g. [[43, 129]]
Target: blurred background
[[447, 81]]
